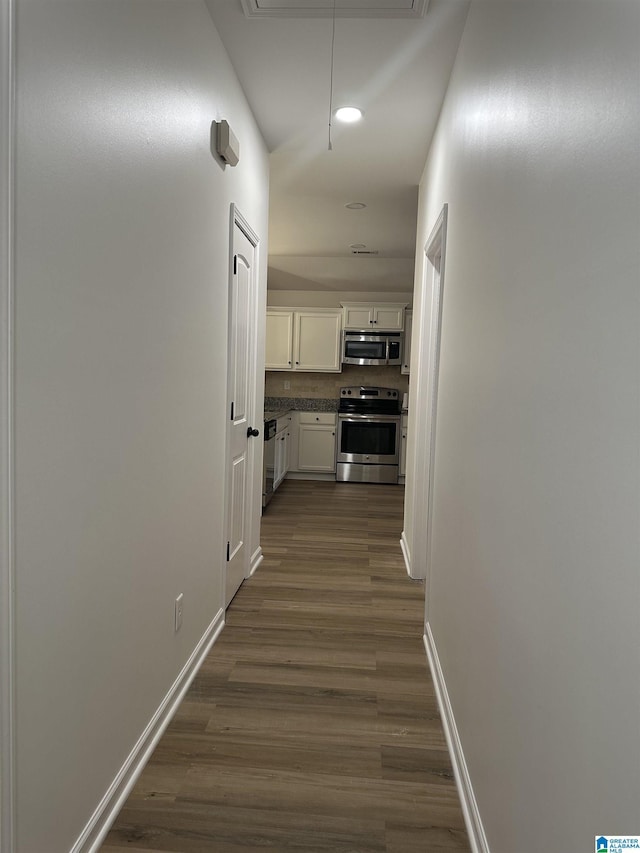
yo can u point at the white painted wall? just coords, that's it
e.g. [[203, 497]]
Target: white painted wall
[[533, 598], [123, 221]]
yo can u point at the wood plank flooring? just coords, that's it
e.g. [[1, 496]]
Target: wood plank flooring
[[313, 725]]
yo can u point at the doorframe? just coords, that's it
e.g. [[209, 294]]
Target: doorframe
[[7, 415], [435, 253], [238, 219], [422, 431]]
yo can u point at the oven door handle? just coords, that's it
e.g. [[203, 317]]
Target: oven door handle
[[348, 416]]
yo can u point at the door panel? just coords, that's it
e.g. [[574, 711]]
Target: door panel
[[238, 487]]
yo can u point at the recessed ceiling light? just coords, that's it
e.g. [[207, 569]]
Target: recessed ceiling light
[[348, 114], [355, 205], [357, 245]]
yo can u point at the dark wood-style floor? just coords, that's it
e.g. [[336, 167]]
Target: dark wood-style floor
[[312, 726]]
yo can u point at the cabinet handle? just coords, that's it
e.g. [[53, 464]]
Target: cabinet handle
[[297, 362]]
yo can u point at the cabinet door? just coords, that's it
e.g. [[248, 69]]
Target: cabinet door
[[388, 318], [280, 458], [402, 470], [279, 345], [381, 318], [287, 452], [317, 341], [358, 316], [317, 448], [406, 350]]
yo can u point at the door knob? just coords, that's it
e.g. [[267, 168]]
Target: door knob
[[253, 432]]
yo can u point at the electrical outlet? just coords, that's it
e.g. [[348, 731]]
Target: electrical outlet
[[178, 612], [287, 385]]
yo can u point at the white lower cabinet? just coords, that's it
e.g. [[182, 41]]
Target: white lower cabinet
[[403, 445], [282, 450], [317, 442]]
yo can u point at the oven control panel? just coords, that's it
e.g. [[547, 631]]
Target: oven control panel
[[364, 400], [363, 392]]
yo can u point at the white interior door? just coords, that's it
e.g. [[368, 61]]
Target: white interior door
[[239, 399]]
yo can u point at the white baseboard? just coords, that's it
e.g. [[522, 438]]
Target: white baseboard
[[404, 546], [406, 553], [98, 826], [472, 819], [256, 559]]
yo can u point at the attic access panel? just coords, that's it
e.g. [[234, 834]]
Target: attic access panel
[[344, 8]]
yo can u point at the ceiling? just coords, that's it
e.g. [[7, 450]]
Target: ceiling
[[393, 59]]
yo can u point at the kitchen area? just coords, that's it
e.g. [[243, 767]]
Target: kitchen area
[[336, 392]]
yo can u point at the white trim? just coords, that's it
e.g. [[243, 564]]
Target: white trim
[[238, 219], [7, 484], [100, 822], [422, 390], [256, 559], [252, 506], [257, 401], [470, 811], [435, 250], [404, 547]]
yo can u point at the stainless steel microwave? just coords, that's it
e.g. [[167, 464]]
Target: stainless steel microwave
[[372, 348]]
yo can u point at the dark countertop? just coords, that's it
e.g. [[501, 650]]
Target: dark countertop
[[274, 414], [274, 406]]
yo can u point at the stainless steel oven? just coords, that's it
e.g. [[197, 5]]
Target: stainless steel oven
[[368, 443]]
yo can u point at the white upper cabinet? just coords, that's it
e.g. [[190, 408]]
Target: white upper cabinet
[[406, 349], [316, 340], [279, 347], [306, 339], [357, 316], [387, 317]]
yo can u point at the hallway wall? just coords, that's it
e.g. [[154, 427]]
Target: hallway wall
[[123, 220], [534, 591]]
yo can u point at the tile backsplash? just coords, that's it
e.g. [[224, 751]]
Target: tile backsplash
[[323, 385]]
